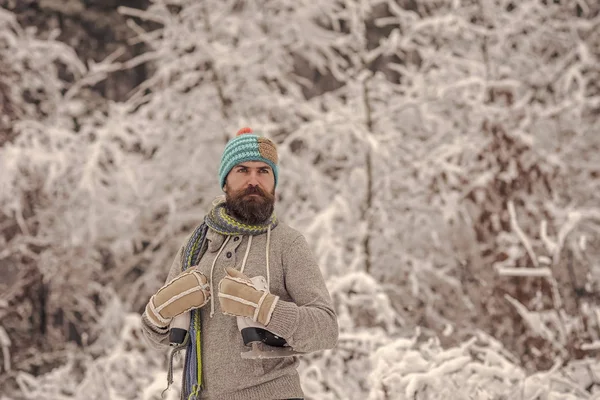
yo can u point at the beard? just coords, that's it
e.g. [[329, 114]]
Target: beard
[[248, 209]]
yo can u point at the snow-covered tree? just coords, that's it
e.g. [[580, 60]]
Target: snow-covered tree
[[440, 157]]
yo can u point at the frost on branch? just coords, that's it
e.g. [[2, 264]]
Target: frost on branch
[[118, 365], [480, 368], [561, 317], [35, 65]]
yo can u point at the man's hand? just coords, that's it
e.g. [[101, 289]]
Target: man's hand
[[239, 296], [185, 292]]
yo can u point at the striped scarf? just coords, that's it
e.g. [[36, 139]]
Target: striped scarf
[[221, 222]]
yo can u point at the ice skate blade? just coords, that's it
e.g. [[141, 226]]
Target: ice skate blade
[[256, 354]]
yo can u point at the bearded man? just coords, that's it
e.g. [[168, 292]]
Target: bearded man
[[267, 278]]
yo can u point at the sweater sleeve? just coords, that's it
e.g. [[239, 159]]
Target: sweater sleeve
[[158, 337], [308, 323]]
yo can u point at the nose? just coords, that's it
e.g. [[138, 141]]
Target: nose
[[253, 179]]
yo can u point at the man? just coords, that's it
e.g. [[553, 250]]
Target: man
[[241, 239]]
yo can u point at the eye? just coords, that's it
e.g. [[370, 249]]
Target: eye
[[265, 171]]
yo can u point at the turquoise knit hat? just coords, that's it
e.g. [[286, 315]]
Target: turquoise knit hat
[[246, 146]]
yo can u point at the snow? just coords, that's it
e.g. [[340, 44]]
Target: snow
[[443, 166]]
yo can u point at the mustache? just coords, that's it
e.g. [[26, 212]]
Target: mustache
[[256, 190]]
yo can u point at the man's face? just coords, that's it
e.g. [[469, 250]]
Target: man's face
[[250, 192]]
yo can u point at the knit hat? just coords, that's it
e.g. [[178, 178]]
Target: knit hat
[[247, 146]]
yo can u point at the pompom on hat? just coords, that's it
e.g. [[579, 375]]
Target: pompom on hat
[[247, 146]]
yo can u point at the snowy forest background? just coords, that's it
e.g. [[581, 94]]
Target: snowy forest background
[[441, 156]]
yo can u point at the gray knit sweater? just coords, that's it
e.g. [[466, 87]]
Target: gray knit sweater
[[304, 316]]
